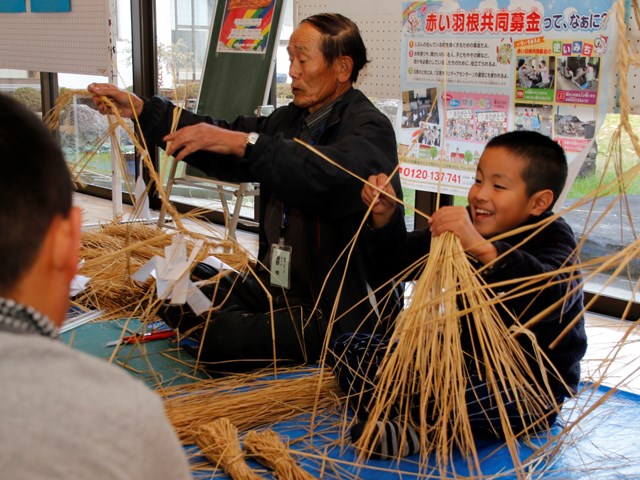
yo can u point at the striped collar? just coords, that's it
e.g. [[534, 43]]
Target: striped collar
[[24, 319], [313, 124]]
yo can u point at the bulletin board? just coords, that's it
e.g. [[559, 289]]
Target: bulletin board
[[79, 41]]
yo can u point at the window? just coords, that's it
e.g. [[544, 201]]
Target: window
[[610, 223], [23, 85]]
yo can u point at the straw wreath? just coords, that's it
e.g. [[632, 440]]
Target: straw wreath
[[114, 251]]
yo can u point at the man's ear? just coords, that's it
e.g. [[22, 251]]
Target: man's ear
[[345, 67], [541, 201]]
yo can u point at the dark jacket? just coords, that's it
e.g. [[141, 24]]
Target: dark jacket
[[547, 251], [324, 201]]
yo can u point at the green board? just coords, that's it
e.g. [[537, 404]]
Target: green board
[[240, 57]]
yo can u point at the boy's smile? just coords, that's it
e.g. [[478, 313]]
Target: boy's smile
[[498, 198]]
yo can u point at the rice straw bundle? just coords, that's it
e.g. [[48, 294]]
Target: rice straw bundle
[[249, 401], [115, 251], [267, 448], [219, 442], [427, 362]]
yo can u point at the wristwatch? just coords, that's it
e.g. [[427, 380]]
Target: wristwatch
[[252, 138]]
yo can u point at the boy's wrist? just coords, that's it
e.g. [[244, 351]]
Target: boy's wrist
[[485, 253], [379, 220]]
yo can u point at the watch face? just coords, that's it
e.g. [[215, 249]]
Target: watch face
[[252, 138]]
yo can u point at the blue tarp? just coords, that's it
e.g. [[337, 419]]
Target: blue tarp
[[602, 445]]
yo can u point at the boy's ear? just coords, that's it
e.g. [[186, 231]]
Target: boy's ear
[[66, 242], [541, 201]]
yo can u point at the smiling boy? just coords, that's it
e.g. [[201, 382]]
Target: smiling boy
[[519, 177]]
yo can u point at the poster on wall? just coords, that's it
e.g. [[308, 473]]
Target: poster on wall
[[13, 6], [50, 6], [36, 6], [246, 26], [471, 71]]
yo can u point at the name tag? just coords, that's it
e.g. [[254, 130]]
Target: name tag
[[280, 265]]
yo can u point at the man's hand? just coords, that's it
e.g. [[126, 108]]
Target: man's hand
[[126, 102], [383, 206], [458, 221], [205, 137]]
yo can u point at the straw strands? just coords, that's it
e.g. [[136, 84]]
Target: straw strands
[[250, 401], [426, 367], [117, 123], [116, 251]]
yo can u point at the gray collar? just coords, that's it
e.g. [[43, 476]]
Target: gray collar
[[18, 318]]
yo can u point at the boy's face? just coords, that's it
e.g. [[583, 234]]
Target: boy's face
[[498, 198]]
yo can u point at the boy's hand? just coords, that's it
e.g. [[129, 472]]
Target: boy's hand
[[126, 102], [458, 221], [383, 206]]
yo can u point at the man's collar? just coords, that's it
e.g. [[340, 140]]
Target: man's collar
[[315, 123]]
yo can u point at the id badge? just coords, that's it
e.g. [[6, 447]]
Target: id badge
[[280, 265]]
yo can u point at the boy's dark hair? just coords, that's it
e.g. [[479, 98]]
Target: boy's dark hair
[[35, 187], [340, 37], [546, 164]]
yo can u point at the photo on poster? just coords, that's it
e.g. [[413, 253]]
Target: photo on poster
[[574, 127], [575, 121], [531, 116], [489, 125], [429, 134], [535, 71], [419, 106], [475, 117], [578, 73]]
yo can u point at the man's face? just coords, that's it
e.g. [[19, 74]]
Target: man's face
[[498, 198], [314, 84]]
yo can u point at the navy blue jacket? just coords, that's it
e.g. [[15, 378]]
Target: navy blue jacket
[[324, 201]]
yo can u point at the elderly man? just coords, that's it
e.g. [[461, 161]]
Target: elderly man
[[64, 414], [310, 210]]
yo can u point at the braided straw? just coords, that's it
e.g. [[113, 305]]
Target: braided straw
[[267, 448], [219, 442]]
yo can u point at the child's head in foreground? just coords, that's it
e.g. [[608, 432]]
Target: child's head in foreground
[[520, 174]]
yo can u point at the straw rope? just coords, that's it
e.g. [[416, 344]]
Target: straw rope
[[219, 442], [267, 447]]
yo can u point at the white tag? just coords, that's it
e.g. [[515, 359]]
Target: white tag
[[280, 265], [197, 300]]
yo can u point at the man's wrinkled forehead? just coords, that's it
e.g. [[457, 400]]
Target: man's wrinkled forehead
[[305, 39]]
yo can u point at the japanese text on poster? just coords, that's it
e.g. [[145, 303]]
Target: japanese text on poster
[[470, 73], [246, 26]]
